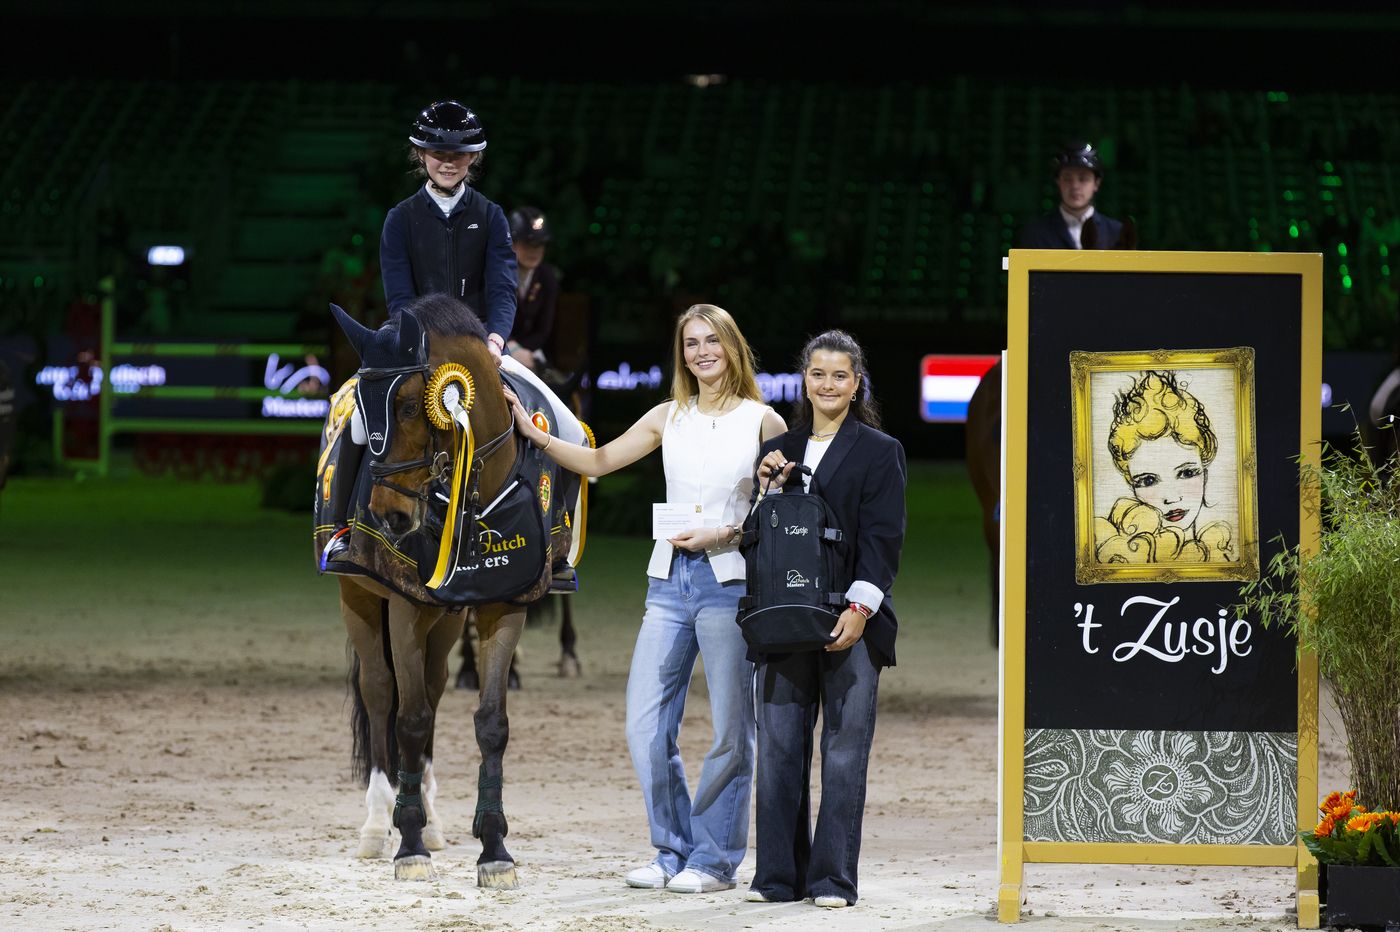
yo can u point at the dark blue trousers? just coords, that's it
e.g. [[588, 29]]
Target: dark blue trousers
[[793, 862]]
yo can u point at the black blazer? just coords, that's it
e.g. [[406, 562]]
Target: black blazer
[[862, 478], [1051, 232], [534, 313]]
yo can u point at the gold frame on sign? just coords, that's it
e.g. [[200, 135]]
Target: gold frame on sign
[[1014, 851], [1087, 570]]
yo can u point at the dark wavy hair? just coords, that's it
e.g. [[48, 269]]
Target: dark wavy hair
[[863, 405]]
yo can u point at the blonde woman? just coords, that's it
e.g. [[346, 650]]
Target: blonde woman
[[709, 434], [1162, 444]]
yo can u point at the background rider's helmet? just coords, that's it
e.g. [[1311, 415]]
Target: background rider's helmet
[[528, 226], [447, 126], [1078, 155]]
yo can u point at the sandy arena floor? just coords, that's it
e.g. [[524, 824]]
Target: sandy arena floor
[[177, 752]]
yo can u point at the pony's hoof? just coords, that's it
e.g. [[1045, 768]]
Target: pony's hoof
[[374, 846], [413, 867], [433, 838], [496, 875], [569, 668]]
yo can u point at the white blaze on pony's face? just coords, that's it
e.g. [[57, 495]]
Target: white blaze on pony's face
[[1171, 478], [703, 352], [830, 382]]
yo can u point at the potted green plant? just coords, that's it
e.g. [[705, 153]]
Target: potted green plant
[[1361, 851], [1341, 600]]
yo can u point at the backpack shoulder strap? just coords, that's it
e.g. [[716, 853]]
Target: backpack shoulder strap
[[794, 445]]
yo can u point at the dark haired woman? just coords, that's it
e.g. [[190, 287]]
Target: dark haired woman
[[860, 472]]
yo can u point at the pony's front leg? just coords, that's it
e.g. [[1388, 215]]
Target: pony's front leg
[[498, 629], [441, 640], [373, 692], [409, 626]]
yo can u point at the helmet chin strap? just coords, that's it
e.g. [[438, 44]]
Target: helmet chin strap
[[445, 192]]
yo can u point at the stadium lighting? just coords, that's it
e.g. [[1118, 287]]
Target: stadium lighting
[[166, 255]]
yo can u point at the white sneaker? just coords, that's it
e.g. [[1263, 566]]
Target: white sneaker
[[651, 877], [756, 896], [689, 881], [830, 902]]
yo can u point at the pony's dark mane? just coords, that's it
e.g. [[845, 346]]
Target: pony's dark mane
[[441, 313]]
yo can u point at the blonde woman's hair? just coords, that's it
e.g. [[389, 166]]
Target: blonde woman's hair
[[740, 365], [1156, 406]]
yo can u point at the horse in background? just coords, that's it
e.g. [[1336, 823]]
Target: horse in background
[[437, 432], [567, 666], [984, 469]]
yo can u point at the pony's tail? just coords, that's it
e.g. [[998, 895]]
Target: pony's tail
[[361, 751]]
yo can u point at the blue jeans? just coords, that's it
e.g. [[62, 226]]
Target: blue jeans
[[687, 614], [793, 863]]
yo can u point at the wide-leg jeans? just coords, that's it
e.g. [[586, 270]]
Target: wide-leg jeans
[[689, 614], [792, 861]]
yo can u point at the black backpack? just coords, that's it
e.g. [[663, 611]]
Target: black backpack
[[795, 559]]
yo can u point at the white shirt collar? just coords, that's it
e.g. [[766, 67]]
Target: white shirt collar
[[1076, 224], [445, 203]]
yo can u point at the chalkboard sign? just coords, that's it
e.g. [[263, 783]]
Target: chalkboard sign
[[1156, 405]]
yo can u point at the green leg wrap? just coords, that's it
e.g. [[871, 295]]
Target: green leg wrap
[[410, 794], [484, 805]]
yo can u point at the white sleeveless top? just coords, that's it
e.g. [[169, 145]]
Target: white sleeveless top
[[710, 460]]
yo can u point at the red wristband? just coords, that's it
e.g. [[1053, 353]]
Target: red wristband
[[857, 607]]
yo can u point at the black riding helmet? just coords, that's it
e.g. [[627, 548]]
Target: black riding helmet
[[447, 126], [528, 226], [1079, 155]]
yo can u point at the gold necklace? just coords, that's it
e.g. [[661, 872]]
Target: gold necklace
[[822, 437]]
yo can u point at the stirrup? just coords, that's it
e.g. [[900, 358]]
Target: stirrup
[[564, 581]]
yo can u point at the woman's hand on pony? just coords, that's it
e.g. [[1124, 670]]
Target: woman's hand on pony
[[523, 424]]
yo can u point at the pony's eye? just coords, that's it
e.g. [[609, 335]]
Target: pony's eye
[[409, 409]]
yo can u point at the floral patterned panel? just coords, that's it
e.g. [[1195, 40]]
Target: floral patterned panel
[[1148, 787]]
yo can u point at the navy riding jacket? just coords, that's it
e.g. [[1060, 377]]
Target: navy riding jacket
[[466, 254]]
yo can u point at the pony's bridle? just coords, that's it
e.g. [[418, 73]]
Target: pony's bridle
[[449, 394]]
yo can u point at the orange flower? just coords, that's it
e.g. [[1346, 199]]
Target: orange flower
[[1325, 827], [1338, 804], [1365, 821]]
